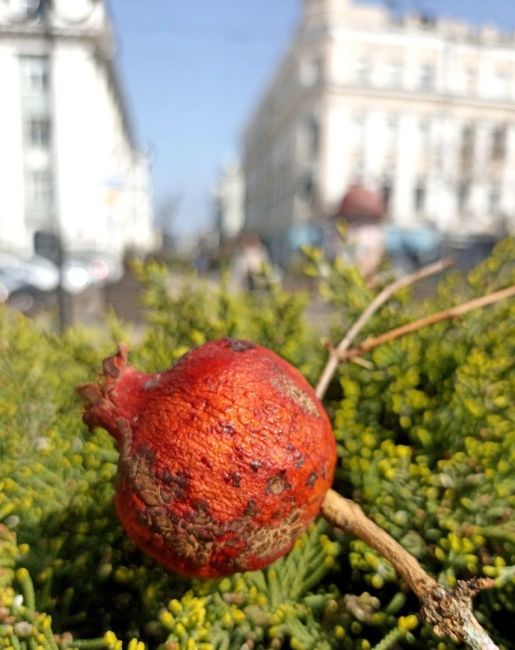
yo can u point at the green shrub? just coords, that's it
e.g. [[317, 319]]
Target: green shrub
[[426, 438]]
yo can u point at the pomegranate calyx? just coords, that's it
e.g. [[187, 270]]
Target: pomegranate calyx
[[116, 364], [111, 402]]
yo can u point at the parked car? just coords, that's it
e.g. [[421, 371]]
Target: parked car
[[102, 267], [19, 294], [34, 271], [83, 269], [28, 282]]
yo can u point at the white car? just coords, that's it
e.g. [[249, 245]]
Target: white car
[[34, 271]]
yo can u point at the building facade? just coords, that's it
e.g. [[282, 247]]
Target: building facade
[[229, 199], [420, 109], [69, 164]]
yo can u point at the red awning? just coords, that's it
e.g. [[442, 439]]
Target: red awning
[[361, 204]]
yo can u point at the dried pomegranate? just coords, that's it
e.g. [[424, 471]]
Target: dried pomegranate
[[224, 459]]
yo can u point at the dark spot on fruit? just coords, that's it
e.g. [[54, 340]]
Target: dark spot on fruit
[[311, 479], [201, 505], [205, 460], [255, 465], [144, 517], [233, 478], [297, 456], [277, 484], [180, 479], [227, 427], [148, 454], [173, 485], [250, 509], [240, 346]]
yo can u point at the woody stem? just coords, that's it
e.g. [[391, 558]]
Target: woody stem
[[348, 515], [449, 612]]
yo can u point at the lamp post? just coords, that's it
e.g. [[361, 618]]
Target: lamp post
[[57, 239]]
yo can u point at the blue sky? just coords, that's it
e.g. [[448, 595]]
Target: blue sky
[[194, 69]]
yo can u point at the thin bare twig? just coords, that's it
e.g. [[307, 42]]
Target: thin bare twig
[[446, 314], [336, 354], [450, 613]]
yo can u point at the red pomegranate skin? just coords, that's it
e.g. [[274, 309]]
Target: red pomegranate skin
[[224, 459]]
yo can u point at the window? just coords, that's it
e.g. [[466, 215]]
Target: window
[[311, 72], [358, 121], [498, 151], [467, 146], [28, 6], [357, 124], [494, 197], [35, 74], [463, 195], [387, 191], [46, 244], [358, 167], [424, 128], [362, 71], [392, 125], [470, 80], [311, 137], [420, 196], [306, 186], [501, 84], [24, 8], [39, 188], [394, 74], [39, 133], [427, 76]]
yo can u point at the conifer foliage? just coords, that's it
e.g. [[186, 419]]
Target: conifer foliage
[[426, 439]]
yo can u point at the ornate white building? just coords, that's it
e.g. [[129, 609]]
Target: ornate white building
[[68, 160], [422, 110]]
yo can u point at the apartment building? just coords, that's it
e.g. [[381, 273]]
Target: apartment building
[[69, 162], [419, 109]]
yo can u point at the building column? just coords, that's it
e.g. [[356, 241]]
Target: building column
[[480, 217], [445, 172], [403, 211], [373, 163], [334, 163]]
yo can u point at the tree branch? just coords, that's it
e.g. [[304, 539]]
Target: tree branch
[[450, 613], [438, 317], [336, 354]]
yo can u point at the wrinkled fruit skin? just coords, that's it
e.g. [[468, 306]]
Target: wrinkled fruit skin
[[224, 459]]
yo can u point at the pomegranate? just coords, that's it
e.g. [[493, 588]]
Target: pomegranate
[[224, 459]]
